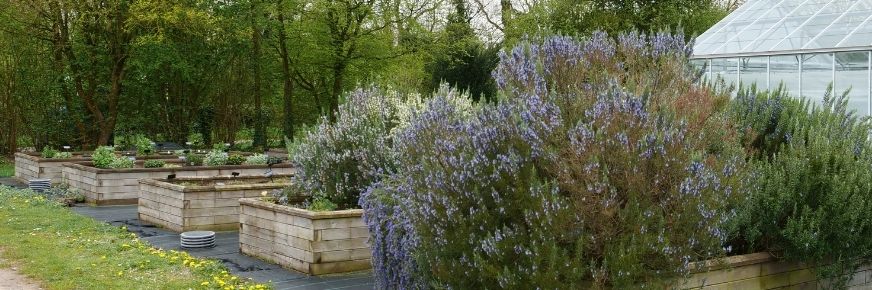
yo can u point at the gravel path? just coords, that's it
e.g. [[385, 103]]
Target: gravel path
[[11, 279]]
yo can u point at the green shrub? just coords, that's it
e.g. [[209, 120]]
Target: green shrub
[[144, 146], [235, 159], [244, 145], [154, 163], [321, 204], [215, 158], [244, 134], [220, 147], [196, 140], [48, 152], [193, 159], [62, 155], [121, 162], [339, 160], [812, 197], [256, 159], [274, 137], [104, 156]]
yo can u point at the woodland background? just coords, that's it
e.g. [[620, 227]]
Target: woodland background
[[83, 72]]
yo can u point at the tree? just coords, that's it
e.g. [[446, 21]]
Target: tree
[[462, 60]]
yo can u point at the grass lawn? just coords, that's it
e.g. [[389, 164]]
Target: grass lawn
[[64, 250], [7, 168]]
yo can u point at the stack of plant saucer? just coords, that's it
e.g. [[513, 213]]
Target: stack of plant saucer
[[39, 185], [198, 239]]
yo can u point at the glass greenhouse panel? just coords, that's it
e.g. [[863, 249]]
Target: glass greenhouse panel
[[725, 69], [813, 25], [852, 73], [843, 26], [860, 36], [702, 68], [784, 70], [752, 71], [708, 44], [770, 26], [760, 25], [726, 20], [817, 75]]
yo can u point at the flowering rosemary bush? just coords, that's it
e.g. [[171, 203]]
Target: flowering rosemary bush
[[763, 120], [812, 198], [602, 166], [337, 161]]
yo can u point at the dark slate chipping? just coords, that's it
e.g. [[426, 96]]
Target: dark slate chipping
[[227, 250]]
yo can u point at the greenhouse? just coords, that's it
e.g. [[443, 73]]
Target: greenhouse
[[804, 45]]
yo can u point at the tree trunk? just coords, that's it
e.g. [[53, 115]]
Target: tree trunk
[[287, 98], [506, 16], [338, 74], [58, 43], [118, 40], [259, 130]]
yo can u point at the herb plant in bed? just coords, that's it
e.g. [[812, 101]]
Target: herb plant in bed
[[48, 164], [102, 184], [336, 161]]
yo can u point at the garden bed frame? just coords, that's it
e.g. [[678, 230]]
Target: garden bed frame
[[763, 271], [33, 166], [121, 186], [311, 242], [199, 207], [277, 152]]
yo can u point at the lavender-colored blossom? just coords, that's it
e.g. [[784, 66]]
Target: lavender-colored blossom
[[571, 152]]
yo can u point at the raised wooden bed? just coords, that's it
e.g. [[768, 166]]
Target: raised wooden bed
[[201, 203], [762, 271], [314, 243], [277, 152], [33, 166], [121, 186]]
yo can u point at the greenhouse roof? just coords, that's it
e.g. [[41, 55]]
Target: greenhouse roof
[[767, 27]]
